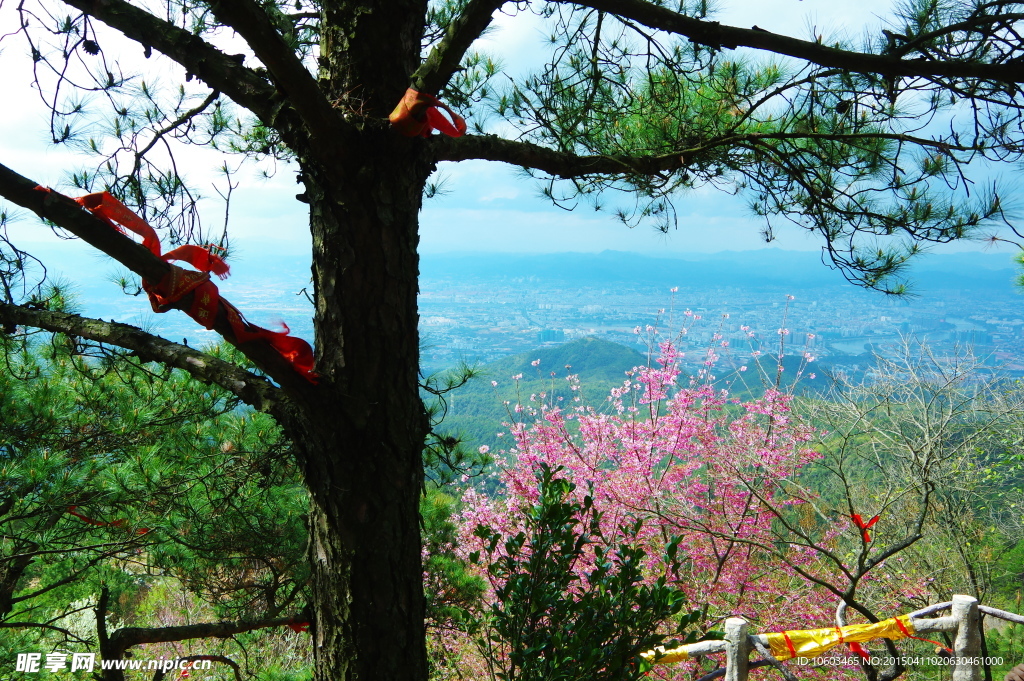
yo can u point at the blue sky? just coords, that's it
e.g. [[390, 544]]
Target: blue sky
[[490, 208]]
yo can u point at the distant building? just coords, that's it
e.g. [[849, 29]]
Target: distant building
[[551, 336]]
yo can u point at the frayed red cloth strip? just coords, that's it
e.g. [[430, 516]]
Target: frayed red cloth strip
[[418, 114], [180, 282], [97, 523]]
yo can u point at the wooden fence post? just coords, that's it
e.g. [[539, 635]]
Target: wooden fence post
[[737, 649], [967, 644]]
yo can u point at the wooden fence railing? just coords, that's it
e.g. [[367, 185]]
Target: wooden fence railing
[[963, 624]]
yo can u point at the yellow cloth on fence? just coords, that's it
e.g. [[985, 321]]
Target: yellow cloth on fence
[[807, 642], [812, 642]]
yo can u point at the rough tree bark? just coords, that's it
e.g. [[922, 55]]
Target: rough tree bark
[[363, 447], [362, 444]]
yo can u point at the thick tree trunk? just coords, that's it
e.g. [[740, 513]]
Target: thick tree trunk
[[362, 446], [361, 443]]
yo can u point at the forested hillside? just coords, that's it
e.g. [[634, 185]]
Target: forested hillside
[[476, 411]]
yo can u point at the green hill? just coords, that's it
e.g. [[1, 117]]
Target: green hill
[[477, 411], [591, 358]]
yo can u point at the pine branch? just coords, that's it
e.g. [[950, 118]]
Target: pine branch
[[67, 214], [76, 574], [302, 109], [119, 545], [444, 59], [185, 118], [567, 165], [247, 386], [126, 637], [556, 163], [218, 70], [973, 24], [289, 74], [730, 37]]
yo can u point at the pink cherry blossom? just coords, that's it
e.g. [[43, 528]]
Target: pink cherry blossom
[[684, 459]]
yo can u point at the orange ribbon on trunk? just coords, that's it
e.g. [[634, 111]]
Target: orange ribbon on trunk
[[417, 115]]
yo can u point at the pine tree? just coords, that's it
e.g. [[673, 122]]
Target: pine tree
[[117, 478]]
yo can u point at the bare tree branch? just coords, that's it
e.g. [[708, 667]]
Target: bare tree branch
[[126, 637], [40, 625], [443, 61], [714, 34], [218, 70], [249, 387]]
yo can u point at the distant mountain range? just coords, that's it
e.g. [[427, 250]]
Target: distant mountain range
[[477, 411]]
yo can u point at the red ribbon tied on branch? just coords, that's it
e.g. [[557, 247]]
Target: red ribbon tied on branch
[[180, 282], [903, 628], [98, 523], [418, 114], [864, 526]]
